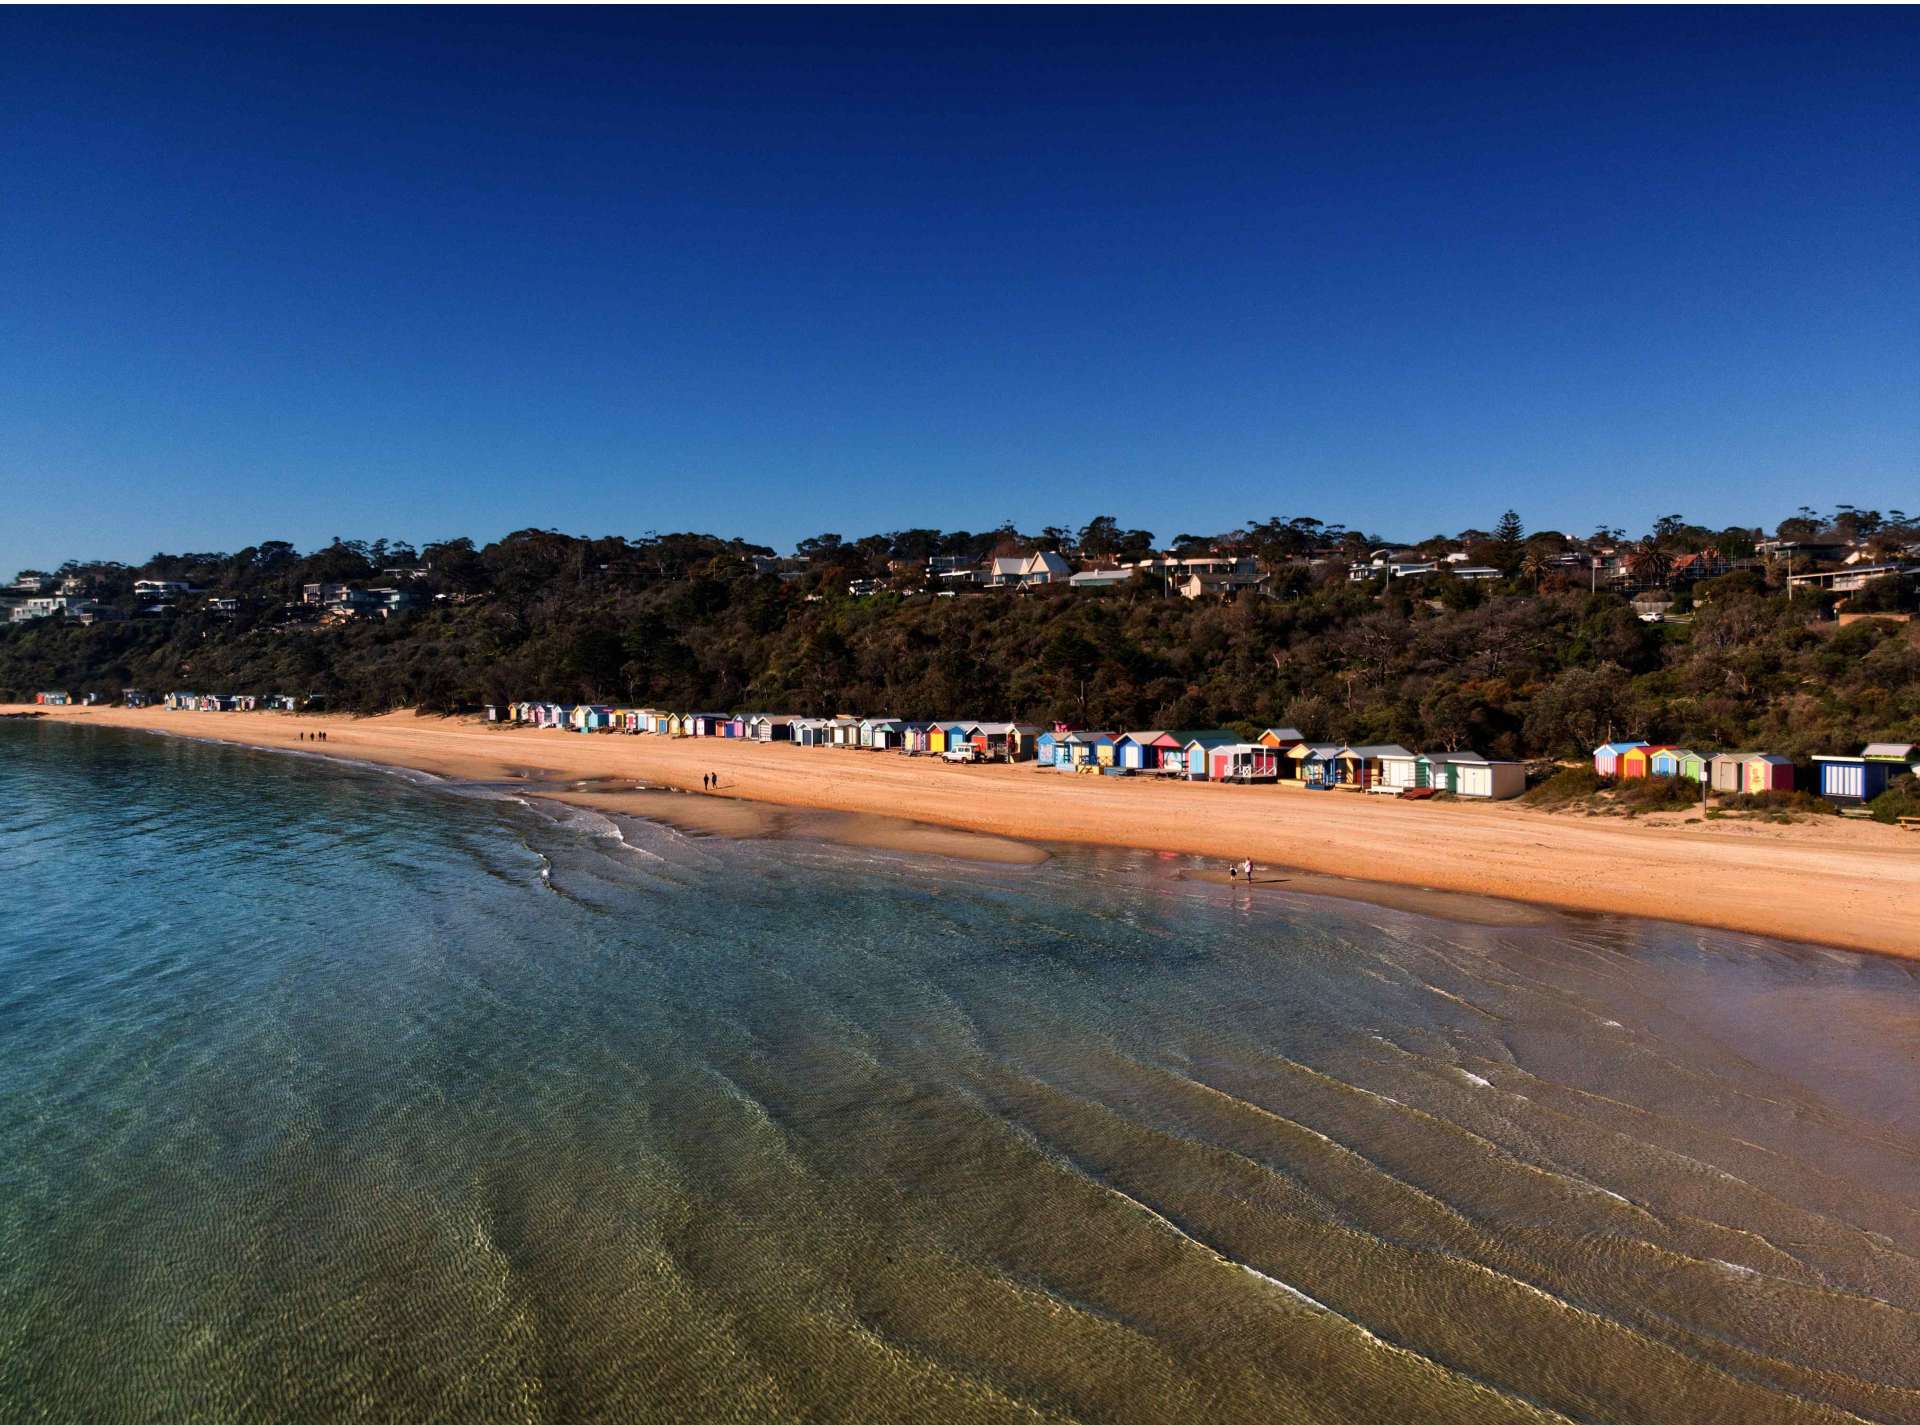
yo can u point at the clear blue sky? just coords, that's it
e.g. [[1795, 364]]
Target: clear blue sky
[[291, 274]]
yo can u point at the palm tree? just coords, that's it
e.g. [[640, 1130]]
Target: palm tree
[[1536, 566], [1649, 563]]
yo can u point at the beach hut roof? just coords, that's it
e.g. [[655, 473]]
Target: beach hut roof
[[1315, 749], [1617, 747], [1772, 759], [1086, 737], [1287, 734], [1455, 757], [994, 728], [1023, 727], [1144, 737], [1890, 751], [1210, 741], [1382, 749]]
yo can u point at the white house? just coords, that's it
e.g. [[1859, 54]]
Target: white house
[[1046, 567]]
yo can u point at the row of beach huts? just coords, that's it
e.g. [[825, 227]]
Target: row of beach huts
[[1843, 780], [1280, 754]]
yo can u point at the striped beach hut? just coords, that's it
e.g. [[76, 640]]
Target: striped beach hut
[[1850, 781], [1606, 757]]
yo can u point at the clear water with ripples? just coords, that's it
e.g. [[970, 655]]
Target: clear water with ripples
[[326, 1094]]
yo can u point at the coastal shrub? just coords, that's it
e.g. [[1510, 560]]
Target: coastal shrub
[[1646, 794], [1795, 802], [1901, 798], [1570, 784]]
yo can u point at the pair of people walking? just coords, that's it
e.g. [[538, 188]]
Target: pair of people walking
[[710, 781]]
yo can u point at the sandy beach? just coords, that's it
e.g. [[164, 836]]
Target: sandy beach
[[1847, 883]]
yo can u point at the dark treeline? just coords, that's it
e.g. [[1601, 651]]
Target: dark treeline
[[1532, 664]]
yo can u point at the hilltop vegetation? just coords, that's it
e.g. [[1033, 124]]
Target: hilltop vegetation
[[1532, 664]]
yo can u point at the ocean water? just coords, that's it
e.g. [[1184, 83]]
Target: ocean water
[[333, 1094]]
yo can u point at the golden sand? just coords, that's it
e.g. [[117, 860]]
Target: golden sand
[[1846, 883]]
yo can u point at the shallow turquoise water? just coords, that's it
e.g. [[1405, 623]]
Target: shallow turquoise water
[[327, 1093]]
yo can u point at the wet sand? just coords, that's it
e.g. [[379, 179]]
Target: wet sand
[[1844, 883], [1456, 906], [720, 815]]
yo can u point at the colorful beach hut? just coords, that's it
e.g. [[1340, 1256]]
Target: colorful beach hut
[[1046, 749], [1198, 752], [1022, 742], [1852, 780], [1727, 771], [1243, 762], [1314, 764], [1143, 751], [1767, 772], [1638, 761], [1606, 757], [1666, 762]]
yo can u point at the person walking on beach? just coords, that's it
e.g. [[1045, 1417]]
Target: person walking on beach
[[1247, 867]]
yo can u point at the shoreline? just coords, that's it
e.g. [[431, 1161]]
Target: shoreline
[[1846, 885]]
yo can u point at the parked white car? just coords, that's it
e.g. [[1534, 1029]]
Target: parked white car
[[960, 754]]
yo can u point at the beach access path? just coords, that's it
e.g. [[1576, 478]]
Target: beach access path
[[1849, 883]]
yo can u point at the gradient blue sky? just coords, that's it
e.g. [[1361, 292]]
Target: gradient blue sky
[[291, 274]]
